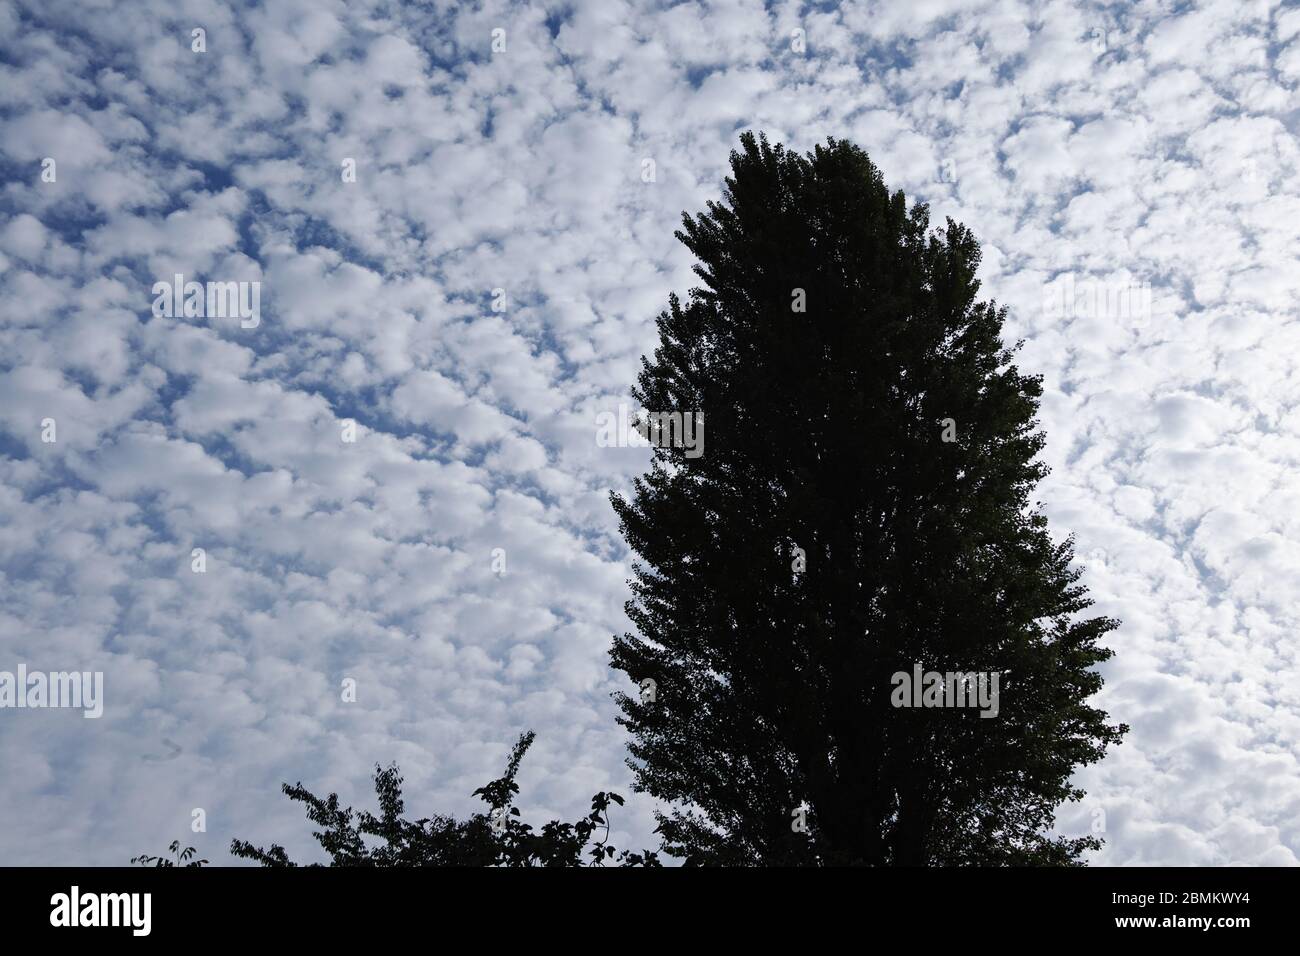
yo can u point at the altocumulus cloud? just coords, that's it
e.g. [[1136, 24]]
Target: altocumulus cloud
[[461, 251]]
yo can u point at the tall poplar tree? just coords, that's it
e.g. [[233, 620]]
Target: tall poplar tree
[[861, 510]]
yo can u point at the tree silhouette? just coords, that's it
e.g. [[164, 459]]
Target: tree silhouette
[[495, 838], [179, 857], [861, 509]]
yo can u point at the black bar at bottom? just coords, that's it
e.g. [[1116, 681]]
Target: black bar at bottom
[[215, 904]]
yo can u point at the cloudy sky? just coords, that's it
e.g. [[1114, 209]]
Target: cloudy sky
[[485, 288]]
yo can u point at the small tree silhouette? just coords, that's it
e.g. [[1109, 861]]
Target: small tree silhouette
[[182, 857], [495, 838]]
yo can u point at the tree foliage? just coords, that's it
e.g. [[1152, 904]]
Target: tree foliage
[[179, 857], [494, 838], [830, 537]]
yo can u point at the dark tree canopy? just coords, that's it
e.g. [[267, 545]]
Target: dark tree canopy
[[496, 838], [882, 440]]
